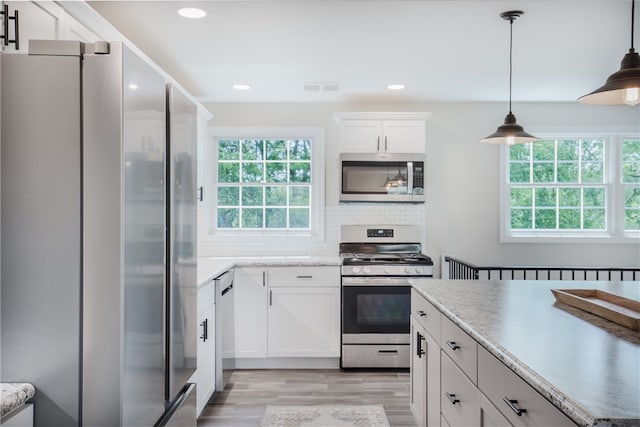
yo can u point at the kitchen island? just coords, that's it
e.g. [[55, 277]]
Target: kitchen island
[[586, 366]]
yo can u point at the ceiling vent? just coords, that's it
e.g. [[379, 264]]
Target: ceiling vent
[[321, 87]]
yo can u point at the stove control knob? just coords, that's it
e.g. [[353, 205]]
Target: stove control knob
[[418, 270], [407, 270], [387, 270], [356, 270], [367, 270]]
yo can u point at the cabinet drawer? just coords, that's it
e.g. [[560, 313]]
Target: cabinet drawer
[[300, 276], [206, 296], [426, 314], [461, 348], [501, 384], [458, 396]]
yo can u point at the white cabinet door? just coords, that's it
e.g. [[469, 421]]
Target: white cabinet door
[[360, 136], [403, 136], [433, 380], [418, 369], [202, 192], [44, 20], [74, 30], [382, 136], [250, 312], [37, 20], [206, 357], [304, 321], [489, 415]]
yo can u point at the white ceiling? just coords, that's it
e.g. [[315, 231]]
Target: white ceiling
[[446, 50]]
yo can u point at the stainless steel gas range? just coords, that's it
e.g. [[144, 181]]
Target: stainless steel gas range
[[377, 262]]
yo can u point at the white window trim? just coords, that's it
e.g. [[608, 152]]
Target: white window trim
[[615, 213], [316, 134]]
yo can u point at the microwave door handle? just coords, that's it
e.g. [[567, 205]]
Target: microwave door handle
[[409, 177]]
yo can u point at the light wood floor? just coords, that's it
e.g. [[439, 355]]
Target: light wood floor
[[243, 402]]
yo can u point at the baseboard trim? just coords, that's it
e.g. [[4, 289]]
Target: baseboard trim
[[283, 363]]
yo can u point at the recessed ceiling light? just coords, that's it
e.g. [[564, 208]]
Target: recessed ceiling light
[[192, 12], [242, 86], [396, 86], [133, 86]]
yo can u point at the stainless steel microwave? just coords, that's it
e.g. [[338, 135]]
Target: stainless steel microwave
[[382, 177]]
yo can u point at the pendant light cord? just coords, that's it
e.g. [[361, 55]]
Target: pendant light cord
[[511, 59], [633, 14]]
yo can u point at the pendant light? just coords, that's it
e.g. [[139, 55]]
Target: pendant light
[[623, 86], [510, 132]]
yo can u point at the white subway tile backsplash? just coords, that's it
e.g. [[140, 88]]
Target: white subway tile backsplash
[[335, 216]]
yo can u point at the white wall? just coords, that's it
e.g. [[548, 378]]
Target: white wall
[[460, 216]]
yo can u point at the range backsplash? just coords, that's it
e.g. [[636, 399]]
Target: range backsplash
[[335, 215]]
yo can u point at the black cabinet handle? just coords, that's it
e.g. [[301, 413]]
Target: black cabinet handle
[[304, 277], [387, 351], [205, 330], [385, 143], [453, 345], [378, 149], [419, 349], [421, 313], [264, 278], [270, 297], [511, 403], [201, 193], [452, 398], [5, 21], [227, 289]]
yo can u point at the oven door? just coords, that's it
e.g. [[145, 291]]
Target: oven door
[[375, 310]]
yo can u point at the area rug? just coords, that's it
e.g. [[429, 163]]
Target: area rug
[[325, 416]]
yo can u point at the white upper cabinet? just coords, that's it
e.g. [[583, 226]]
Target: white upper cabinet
[[44, 21], [382, 132], [202, 190]]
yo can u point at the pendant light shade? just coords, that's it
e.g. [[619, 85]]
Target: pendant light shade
[[623, 86], [510, 132]]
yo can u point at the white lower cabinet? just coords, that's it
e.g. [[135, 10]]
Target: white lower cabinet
[[489, 415], [205, 373], [206, 358], [287, 312], [418, 368], [425, 375], [250, 313], [517, 400], [304, 321], [461, 384], [459, 396]]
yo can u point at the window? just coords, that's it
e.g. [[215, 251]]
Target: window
[[269, 180], [572, 187], [630, 178]]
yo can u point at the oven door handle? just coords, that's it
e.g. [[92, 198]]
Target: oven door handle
[[374, 281]]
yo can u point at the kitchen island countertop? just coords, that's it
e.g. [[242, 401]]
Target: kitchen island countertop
[[211, 267], [585, 365], [14, 395]]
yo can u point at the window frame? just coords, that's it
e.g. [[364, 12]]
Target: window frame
[[614, 193], [317, 200]]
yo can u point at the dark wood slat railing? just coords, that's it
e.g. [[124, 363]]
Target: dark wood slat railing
[[462, 270]]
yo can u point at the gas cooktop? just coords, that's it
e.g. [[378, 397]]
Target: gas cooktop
[[385, 259]]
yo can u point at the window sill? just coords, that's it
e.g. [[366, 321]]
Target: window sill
[[571, 238], [252, 235]]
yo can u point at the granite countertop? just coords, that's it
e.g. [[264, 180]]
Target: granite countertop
[[585, 365], [211, 267], [14, 395]]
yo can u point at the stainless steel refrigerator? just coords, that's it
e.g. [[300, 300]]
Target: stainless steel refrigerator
[[98, 233]]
